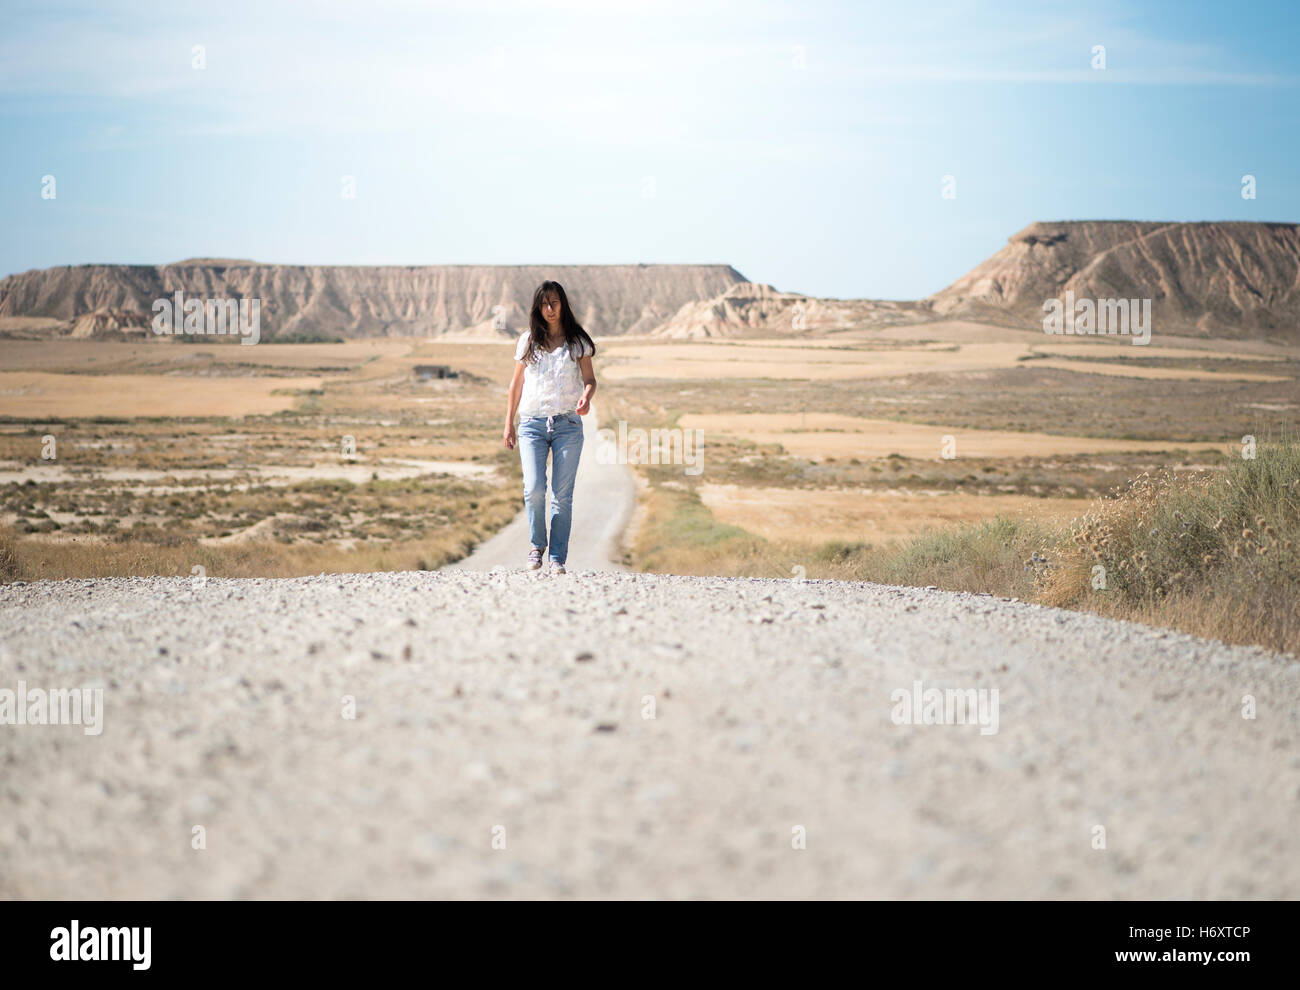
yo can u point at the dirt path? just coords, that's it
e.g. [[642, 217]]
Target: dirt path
[[496, 707]]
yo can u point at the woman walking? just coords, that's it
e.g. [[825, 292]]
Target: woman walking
[[552, 387]]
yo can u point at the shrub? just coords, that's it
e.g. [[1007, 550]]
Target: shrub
[[1227, 546]]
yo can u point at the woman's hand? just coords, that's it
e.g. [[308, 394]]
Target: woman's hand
[[584, 406], [509, 437]]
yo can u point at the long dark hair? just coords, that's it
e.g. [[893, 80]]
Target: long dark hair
[[539, 331]]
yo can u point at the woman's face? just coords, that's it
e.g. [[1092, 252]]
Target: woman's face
[[551, 309]]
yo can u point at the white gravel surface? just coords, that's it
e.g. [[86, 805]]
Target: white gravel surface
[[515, 701]]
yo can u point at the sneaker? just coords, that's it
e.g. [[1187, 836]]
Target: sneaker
[[534, 558], [557, 568]]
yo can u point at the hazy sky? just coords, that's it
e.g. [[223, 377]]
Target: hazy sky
[[804, 143]]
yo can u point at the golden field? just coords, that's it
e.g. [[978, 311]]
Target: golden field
[[946, 347]]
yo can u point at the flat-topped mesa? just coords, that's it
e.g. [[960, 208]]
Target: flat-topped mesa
[[333, 301], [1212, 279]]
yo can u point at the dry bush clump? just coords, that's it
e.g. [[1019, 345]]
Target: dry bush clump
[[1219, 552], [10, 567]]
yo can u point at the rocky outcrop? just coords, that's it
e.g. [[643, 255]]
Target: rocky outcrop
[[322, 302], [752, 309], [1230, 280], [110, 323]]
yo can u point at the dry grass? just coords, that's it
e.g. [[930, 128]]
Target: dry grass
[[876, 515], [31, 394], [732, 360], [963, 352], [1150, 373], [1101, 351], [678, 535], [245, 490], [383, 541], [161, 355], [816, 435], [1218, 556]]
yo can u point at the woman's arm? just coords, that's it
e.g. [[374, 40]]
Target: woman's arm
[[589, 380], [513, 394]]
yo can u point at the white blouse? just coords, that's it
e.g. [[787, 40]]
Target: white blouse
[[553, 383]]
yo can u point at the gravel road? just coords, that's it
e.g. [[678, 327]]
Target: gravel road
[[509, 709]]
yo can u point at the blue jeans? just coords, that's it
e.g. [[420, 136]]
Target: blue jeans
[[561, 435]]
